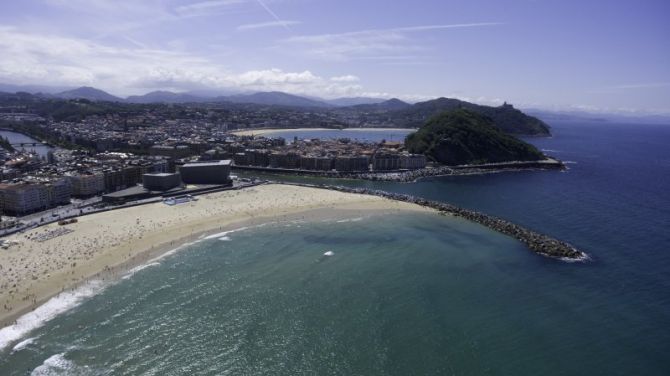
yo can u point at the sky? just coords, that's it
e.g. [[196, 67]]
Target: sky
[[607, 55]]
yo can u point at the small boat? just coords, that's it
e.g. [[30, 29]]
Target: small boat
[[329, 253]]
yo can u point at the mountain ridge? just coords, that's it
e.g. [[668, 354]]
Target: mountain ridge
[[162, 96], [391, 112], [276, 98], [88, 92]]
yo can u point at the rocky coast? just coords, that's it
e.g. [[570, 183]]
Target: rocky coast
[[539, 243]]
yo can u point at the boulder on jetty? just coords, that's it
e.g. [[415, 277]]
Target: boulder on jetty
[[539, 243]]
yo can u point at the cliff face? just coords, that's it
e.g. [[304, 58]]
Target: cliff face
[[465, 137]]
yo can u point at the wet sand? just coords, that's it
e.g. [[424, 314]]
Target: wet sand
[[47, 260]]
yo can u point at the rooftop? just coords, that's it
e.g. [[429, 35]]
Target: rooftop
[[225, 162], [162, 174]]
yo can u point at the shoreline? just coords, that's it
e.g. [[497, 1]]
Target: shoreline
[[134, 245], [50, 276], [264, 131], [536, 242], [407, 176]]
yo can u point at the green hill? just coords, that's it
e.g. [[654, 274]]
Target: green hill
[[505, 117], [465, 137]]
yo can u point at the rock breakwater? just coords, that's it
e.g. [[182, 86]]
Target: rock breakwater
[[539, 243]]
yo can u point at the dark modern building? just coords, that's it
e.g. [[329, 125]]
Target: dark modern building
[[161, 181], [217, 172]]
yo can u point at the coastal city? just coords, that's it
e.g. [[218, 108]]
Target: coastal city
[[291, 187], [112, 158]]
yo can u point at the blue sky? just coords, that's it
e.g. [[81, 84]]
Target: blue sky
[[558, 54]]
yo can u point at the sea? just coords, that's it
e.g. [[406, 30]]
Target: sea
[[406, 294]]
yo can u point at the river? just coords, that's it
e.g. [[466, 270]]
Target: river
[[18, 138]]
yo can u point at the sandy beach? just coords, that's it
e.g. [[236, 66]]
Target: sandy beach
[[264, 131], [51, 259]]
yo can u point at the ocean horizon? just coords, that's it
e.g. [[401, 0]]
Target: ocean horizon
[[403, 294]]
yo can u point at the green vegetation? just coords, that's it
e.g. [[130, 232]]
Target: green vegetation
[[505, 117], [5, 144], [72, 111], [465, 137]]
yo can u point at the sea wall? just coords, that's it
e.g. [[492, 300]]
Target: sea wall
[[539, 243], [405, 176]]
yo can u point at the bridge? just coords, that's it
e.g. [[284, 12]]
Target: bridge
[[24, 144]]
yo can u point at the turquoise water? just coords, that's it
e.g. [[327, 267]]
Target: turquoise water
[[408, 294], [397, 297]]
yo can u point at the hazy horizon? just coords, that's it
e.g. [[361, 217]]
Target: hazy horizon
[[570, 55]]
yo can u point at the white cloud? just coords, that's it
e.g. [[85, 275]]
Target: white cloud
[[115, 6], [346, 78], [276, 76], [264, 25], [380, 44], [273, 14], [648, 85], [56, 60], [347, 46], [108, 18], [206, 6], [442, 27]]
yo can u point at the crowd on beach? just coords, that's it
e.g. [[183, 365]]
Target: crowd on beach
[[50, 234], [46, 260]]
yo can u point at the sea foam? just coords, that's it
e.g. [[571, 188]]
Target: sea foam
[[61, 303], [225, 233], [57, 365], [23, 344], [357, 219], [136, 269]]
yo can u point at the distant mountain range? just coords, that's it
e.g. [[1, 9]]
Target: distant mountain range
[[392, 112], [275, 98], [353, 101], [392, 104], [413, 115], [32, 89], [165, 97], [271, 98], [584, 116], [90, 93]]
